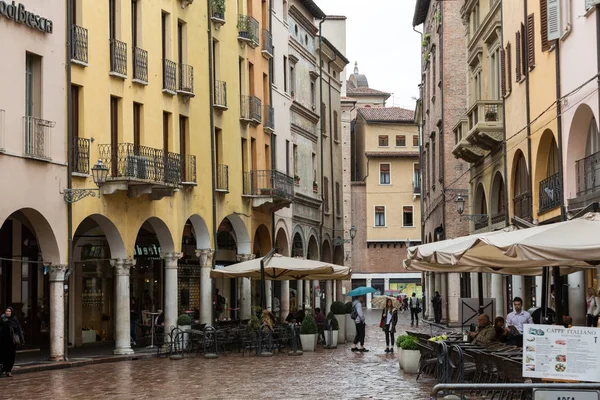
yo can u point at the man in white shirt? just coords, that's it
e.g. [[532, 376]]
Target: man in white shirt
[[515, 321]]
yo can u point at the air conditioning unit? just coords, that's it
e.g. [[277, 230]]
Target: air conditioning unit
[[137, 167]]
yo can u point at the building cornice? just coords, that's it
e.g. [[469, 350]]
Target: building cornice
[[299, 109], [392, 154], [297, 46], [303, 20]]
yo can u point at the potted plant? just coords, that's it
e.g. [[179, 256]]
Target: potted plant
[[308, 333], [243, 28], [339, 310], [491, 115], [184, 322], [350, 325], [315, 186], [218, 9], [411, 355], [296, 180], [332, 328], [399, 341]]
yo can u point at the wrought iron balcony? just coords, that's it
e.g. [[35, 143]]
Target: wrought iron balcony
[[118, 58], [269, 121], [140, 65], [248, 30], [222, 178], [498, 217], [169, 76], [36, 133], [550, 193], [480, 224], [217, 8], [188, 169], [270, 189], [588, 174], [81, 155], [255, 110], [79, 45], [267, 46], [245, 107], [186, 80], [220, 95], [522, 206], [485, 124]]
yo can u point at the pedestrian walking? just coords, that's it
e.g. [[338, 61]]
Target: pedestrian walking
[[389, 319], [415, 309], [437, 307], [593, 308], [11, 336], [359, 320]]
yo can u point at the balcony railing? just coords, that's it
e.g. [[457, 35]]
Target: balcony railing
[[269, 122], [218, 9], [188, 168], [522, 205], [81, 155], [222, 178], [550, 193], [79, 44], [498, 217], [118, 57], [186, 79], [588, 174], [269, 183], [37, 137], [480, 224], [248, 30], [169, 76], [127, 161], [267, 46], [245, 107], [140, 65], [485, 119], [255, 109], [220, 99]]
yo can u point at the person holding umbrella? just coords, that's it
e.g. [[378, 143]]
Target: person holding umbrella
[[389, 319]]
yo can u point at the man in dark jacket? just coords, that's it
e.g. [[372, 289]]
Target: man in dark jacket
[[437, 307]]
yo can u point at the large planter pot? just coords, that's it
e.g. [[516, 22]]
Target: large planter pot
[[410, 361], [399, 352], [342, 324], [186, 336], [350, 329], [333, 342], [309, 342]]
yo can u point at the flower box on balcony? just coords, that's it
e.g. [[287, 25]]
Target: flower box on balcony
[[491, 116], [266, 192], [315, 187], [296, 180]]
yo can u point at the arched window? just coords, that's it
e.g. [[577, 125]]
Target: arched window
[[552, 167], [522, 197]]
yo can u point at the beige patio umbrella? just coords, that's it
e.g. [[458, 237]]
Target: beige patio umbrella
[[282, 268], [381, 301], [513, 269]]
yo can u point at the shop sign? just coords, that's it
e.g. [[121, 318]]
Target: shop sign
[[564, 394], [153, 250], [19, 14]]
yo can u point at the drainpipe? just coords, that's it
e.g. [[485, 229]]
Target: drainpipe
[[505, 168], [212, 134], [69, 177], [321, 123], [331, 150], [598, 49], [420, 133], [525, 61], [273, 161], [443, 132]]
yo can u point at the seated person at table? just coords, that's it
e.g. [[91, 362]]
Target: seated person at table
[[485, 333], [501, 334], [567, 321], [515, 321]]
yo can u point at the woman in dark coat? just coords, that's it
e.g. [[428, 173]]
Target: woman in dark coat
[[389, 319], [10, 333]]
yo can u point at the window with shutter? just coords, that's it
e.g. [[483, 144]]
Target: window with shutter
[[552, 28], [530, 42], [400, 140], [384, 174], [523, 53], [518, 56], [503, 72], [383, 141], [544, 24], [379, 215], [509, 67]]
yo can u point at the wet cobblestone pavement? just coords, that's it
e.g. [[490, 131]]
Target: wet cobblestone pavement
[[326, 374]]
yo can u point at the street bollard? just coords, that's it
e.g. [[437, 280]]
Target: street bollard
[[294, 339], [209, 343]]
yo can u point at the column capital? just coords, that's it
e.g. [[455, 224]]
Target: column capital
[[205, 256], [57, 272], [171, 259], [245, 257], [122, 265]]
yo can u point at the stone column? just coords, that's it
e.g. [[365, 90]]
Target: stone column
[[339, 293], [245, 289], [57, 312], [441, 284], [538, 291], [474, 286], [317, 298], [437, 283], [428, 296], [328, 295], [170, 288], [518, 282], [299, 295], [268, 294], [498, 294], [122, 303], [453, 290], [206, 260], [369, 295], [307, 286], [284, 300], [577, 294]]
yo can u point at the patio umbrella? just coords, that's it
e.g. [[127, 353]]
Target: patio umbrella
[[381, 301], [361, 290]]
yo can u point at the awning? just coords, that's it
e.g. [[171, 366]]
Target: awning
[[283, 268]]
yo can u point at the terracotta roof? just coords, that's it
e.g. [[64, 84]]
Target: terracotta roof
[[421, 8], [387, 114], [391, 154], [364, 91], [313, 8], [337, 17]]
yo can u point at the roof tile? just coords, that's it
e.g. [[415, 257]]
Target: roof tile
[[387, 114]]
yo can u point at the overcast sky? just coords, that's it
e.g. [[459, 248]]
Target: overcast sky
[[379, 36]]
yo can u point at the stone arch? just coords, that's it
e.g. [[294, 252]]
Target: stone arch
[[497, 200], [162, 232], [48, 244], [242, 239], [111, 232], [262, 241], [583, 118], [282, 243], [312, 250], [520, 187], [547, 156], [200, 231], [338, 255], [480, 202], [326, 254], [298, 242]]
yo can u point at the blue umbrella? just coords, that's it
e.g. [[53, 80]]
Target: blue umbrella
[[359, 291]]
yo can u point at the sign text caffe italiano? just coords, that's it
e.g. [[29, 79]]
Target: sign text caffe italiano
[[19, 14]]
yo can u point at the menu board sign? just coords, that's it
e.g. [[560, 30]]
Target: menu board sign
[[555, 352]]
